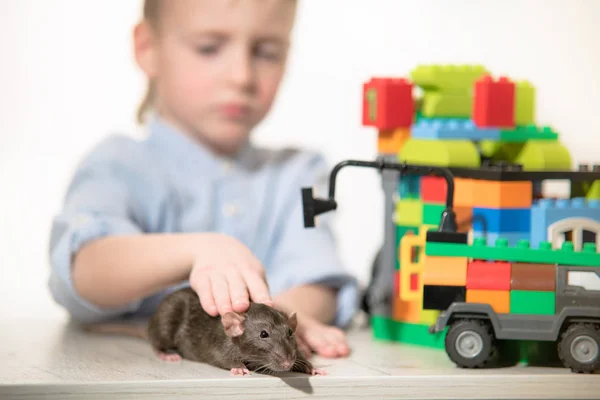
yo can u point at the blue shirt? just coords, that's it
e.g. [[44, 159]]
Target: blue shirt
[[169, 183]]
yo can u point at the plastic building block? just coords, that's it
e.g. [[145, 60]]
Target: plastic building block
[[391, 142], [544, 155], [388, 103], [429, 317], [521, 253], [494, 102], [441, 153], [409, 212], [438, 297], [532, 302], [498, 194], [513, 238], [594, 192], [550, 219], [410, 267], [433, 189], [415, 334], [497, 220], [407, 311], [445, 271], [432, 213], [524, 103], [436, 128], [498, 299], [488, 275], [450, 78], [410, 187], [400, 232], [463, 192], [447, 104], [534, 277], [525, 133], [446, 237]]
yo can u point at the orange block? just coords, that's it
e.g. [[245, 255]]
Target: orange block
[[445, 271], [407, 311], [498, 299], [391, 142], [495, 194], [464, 218], [463, 192]]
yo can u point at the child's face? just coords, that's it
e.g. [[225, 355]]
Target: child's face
[[217, 64]]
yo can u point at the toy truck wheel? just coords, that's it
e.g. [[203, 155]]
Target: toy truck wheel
[[470, 343], [579, 347]]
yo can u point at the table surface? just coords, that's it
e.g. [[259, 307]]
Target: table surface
[[54, 359]]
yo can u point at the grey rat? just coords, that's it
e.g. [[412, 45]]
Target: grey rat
[[260, 339]]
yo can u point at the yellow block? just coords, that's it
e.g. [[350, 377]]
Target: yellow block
[[429, 317], [445, 271], [408, 267]]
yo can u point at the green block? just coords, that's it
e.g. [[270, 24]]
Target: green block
[[432, 213], [501, 151], [442, 104], [544, 155], [588, 257], [409, 212], [524, 103], [532, 302], [400, 232], [387, 329], [524, 133], [447, 77], [441, 153]]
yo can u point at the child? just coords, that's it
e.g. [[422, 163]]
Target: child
[[195, 203]]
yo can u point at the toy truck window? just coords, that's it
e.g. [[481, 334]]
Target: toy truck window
[[589, 280]]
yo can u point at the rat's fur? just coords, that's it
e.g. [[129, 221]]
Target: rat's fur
[[180, 325]]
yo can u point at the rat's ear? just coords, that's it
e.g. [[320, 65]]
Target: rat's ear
[[293, 321], [233, 324]]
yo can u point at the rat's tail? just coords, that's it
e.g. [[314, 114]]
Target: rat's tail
[[138, 331]]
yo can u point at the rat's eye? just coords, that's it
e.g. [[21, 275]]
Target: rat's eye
[[290, 332], [264, 334]]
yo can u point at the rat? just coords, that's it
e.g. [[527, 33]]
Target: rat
[[262, 339]]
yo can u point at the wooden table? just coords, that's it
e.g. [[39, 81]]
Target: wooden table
[[54, 360]]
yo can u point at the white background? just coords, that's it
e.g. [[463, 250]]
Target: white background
[[67, 79]]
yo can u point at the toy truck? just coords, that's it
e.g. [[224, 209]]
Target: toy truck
[[491, 294]]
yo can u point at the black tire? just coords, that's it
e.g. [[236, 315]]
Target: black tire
[[578, 348], [470, 332]]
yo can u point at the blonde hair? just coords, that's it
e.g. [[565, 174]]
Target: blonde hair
[[151, 13]]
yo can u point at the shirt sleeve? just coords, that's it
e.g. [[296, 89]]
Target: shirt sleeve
[[309, 255], [98, 203]]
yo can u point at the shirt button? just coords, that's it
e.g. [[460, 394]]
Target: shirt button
[[229, 210]]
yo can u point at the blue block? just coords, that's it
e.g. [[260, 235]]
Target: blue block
[[576, 212], [512, 237], [451, 128], [498, 220], [410, 187]]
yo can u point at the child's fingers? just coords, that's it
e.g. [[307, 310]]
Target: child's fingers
[[237, 291], [201, 284], [220, 290], [257, 287]]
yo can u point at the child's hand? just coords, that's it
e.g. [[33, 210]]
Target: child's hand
[[226, 276], [325, 340]]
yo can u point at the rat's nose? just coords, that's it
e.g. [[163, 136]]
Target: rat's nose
[[286, 364]]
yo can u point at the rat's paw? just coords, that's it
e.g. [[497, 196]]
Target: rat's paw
[[240, 371], [318, 371], [169, 357]]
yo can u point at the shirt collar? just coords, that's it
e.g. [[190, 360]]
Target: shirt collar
[[183, 154]]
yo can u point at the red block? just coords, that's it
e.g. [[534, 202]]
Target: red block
[[388, 103], [494, 103], [488, 275], [433, 189]]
